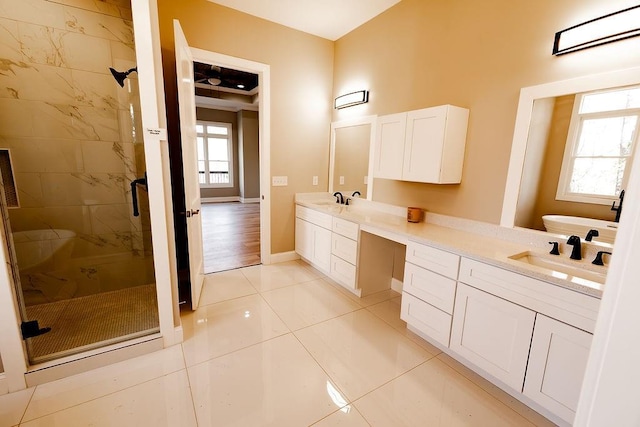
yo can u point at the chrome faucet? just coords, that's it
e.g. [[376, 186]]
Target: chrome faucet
[[339, 197], [618, 209], [576, 252]]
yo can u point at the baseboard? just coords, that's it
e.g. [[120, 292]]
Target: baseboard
[[396, 285], [250, 200], [220, 199], [284, 257], [4, 384]]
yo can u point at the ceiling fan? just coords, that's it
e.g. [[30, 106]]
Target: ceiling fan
[[208, 74]]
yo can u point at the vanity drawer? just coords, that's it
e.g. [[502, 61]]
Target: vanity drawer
[[314, 217], [343, 272], [345, 228], [344, 248], [433, 259], [430, 287], [426, 319]]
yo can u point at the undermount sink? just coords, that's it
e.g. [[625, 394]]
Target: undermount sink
[[573, 271], [323, 202]]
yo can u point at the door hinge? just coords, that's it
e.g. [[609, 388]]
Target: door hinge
[[31, 329]]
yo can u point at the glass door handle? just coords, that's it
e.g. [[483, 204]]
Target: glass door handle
[[134, 192]]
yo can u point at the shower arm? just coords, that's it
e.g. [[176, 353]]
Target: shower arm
[[134, 192]]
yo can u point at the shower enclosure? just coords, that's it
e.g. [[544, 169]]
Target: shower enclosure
[[70, 148]]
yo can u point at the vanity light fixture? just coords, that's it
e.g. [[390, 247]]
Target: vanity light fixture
[[351, 99], [615, 26]]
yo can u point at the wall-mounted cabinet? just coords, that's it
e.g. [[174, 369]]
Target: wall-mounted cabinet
[[422, 146]]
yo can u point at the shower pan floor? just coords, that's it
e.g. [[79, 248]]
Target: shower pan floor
[[82, 323]]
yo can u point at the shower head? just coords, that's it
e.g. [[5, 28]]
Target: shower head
[[120, 76]]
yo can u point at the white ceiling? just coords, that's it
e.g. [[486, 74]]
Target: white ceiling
[[330, 19]]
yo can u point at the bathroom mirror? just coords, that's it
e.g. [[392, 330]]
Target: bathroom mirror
[[543, 113], [350, 163]]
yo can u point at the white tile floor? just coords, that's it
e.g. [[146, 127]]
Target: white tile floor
[[278, 346]]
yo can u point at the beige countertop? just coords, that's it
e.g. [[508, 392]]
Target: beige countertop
[[482, 242]]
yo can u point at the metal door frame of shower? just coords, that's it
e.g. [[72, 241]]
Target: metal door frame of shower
[[152, 104]]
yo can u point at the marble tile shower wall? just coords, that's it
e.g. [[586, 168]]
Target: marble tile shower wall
[[73, 132]]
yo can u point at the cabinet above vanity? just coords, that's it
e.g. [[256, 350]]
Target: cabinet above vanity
[[424, 145]]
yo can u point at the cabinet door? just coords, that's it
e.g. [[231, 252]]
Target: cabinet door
[[321, 257], [557, 363], [389, 146], [492, 333], [424, 142], [304, 239]]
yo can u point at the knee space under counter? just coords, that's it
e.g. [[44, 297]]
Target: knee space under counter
[[381, 264]]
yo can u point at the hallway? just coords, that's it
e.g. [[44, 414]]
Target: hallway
[[230, 235]]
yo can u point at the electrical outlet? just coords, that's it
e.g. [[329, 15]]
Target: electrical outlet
[[279, 181], [315, 180], [342, 180], [366, 180]]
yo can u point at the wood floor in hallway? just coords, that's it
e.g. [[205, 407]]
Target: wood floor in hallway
[[231, 235]]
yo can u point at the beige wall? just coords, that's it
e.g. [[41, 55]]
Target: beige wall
[[249, 154], [211, 115], [475, 54], [301, 67]]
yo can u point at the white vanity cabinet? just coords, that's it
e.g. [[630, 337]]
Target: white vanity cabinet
[[557, 363], [530, 335], [424, 145], [344, 252], [493, 334], [313, 237], [429, 290]]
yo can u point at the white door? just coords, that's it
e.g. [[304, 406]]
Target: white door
[[187, 109]]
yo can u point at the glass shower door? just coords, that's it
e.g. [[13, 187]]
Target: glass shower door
[[83, 262]]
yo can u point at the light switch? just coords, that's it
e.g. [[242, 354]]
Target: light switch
[[342, 180], [315, 180], [279, 181], [366, 180]]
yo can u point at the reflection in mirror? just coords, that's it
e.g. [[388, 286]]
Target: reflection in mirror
[[542, 126], [349, 165], [548, 136]]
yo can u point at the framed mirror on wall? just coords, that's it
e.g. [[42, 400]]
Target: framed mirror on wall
[[541, 139], [351, 156]]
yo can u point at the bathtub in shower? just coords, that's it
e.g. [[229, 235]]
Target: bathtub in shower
[[568, 225], [43, 249]]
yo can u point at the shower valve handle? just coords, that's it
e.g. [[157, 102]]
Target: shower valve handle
[[134, 192]]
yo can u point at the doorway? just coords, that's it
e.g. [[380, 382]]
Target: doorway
[[263, 101]]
